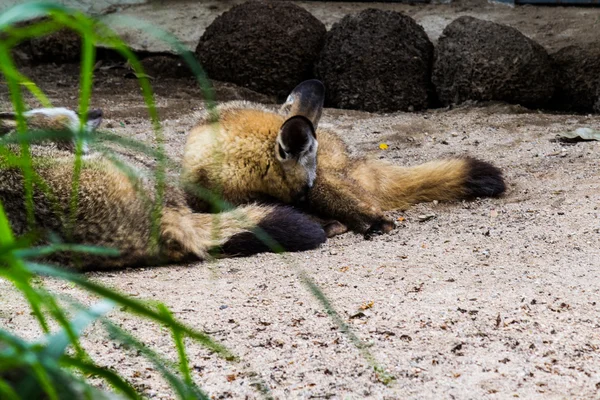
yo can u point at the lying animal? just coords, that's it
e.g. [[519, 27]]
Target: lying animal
[[248, 153], [115, 209]]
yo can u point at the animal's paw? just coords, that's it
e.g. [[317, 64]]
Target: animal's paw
[[380, 227], [334, 228]]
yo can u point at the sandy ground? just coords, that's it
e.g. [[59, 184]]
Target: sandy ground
[[496, 298]]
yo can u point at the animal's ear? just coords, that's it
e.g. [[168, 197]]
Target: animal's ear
[[296, 135], [94, 119], [8, 122], [306, 100]]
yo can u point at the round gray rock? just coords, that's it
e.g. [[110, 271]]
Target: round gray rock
[[578, 79], [377, 61], [482, 60], [63, 46], [266, 46]]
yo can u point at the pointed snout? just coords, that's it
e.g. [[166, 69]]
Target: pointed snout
[[94, 114], [302, 196]]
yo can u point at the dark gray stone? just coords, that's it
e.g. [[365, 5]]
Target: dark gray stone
[[482, 60], [266, 46], [578, 79], [63, 46], [377, 61]]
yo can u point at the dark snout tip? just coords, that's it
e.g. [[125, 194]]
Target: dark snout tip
[[94, 114]]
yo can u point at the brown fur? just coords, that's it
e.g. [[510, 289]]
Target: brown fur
[[353, 190], [236, 156], [114, 210]]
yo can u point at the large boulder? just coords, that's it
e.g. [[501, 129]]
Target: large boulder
[[377, 61], [63, 46], [266, 46], [578, 79], [482, 60]]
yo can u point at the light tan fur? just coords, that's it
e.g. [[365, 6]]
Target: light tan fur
[[236, 157], [389, 186]]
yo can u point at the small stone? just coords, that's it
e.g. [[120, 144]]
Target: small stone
[[426, 217]]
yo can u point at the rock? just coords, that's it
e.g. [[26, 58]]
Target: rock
[[266, 46], [578, 79], [166, 66], [482, 60], [377, 61], [426, 217], [225, 91], [63, 46]]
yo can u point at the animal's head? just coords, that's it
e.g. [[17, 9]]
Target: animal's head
[[56, 119], [296, 147]]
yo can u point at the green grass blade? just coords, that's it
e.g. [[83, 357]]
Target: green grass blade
[[7, 392], [34, 252], [27, 11], [345, 329], [185, 391], [178, 339], [41, 375], [22, 282], [88, 55], [59, 315], [58, 342], [133, 305], [112, 378], [6, 66], [16, 272], [176, 45]]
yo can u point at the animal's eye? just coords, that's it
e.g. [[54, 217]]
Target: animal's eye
[[281, 152]]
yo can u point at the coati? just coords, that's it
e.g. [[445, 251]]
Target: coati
[[246, 153], [114, 209]]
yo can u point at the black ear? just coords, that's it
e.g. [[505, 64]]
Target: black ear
[[295, 134], [307, 100], [94, 114], [94, 118]]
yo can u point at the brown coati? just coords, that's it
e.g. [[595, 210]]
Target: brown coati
[[246, 152], [114, 209]]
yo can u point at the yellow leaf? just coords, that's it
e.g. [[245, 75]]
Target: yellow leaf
[[367, 305], [383, 146]]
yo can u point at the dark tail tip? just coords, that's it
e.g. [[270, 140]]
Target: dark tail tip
[[290, 229], [483, 179]]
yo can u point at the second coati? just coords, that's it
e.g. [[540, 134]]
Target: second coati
[[246, 152], [114, 209]]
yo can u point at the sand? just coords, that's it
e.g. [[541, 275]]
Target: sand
[[495, 298]]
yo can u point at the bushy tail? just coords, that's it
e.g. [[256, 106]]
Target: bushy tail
[[396, 187], [240, 232]]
